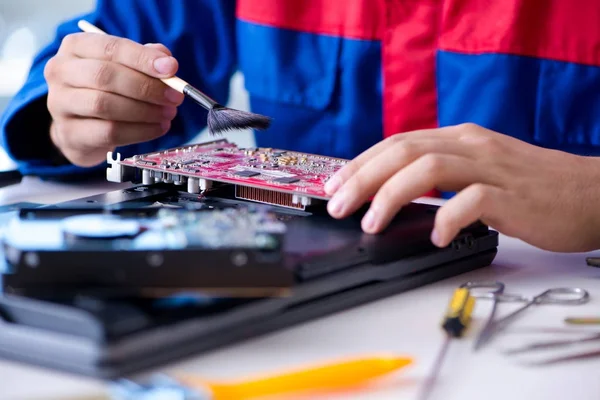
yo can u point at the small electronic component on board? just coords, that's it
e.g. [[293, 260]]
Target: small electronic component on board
[[265, 175]]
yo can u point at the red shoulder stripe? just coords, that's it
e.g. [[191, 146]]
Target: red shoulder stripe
[[356, 19], [409, 52], [563, 30]]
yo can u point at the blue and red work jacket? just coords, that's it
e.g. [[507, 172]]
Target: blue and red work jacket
[[337, 76]]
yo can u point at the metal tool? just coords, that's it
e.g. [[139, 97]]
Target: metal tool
[[455, 322], [561, 359], [583, 320], [553, 344], [561, 296], [485, 290]]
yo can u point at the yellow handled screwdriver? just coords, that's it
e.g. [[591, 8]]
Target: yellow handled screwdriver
[[455, 322]]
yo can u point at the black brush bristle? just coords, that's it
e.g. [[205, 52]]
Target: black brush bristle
[[222, 119]]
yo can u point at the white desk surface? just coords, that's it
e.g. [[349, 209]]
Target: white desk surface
[[405, 324]]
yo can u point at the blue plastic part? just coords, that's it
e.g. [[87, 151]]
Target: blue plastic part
[[159, 387]]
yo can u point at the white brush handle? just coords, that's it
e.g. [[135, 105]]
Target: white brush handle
[[173, 82]]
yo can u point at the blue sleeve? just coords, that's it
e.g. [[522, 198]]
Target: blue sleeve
[[201, 35]]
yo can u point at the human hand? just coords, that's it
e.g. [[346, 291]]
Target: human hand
[[103, 92], [545, 197]]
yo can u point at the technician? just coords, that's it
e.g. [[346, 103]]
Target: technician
[[497, 101]]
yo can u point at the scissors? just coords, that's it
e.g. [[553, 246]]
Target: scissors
[[495, 292]]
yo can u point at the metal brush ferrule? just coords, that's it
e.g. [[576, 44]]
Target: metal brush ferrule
[[200, 97]]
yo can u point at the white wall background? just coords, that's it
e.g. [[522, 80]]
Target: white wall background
[[28, 25]]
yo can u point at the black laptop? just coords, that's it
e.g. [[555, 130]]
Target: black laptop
[[333, 264]]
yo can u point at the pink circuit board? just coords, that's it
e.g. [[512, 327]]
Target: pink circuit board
[[260, 168]]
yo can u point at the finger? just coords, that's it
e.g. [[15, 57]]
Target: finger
[[478, 202], [72, 102], [118, 79], [341, 176], [84, 135], [444, 172], [147, 59], [365, 182]]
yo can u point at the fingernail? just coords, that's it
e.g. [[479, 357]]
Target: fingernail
[[169, 112], [368, 222], [435, 238], [164, 65], [173, 96], [165, 125], [332, 185], [336, 204]]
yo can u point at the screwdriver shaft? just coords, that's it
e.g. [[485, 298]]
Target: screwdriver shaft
[[427, 388], [455, 322]]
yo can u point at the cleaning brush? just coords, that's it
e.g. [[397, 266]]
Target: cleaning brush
[[220, 118]]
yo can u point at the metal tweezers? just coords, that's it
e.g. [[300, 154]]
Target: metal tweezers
[[559, 343]]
